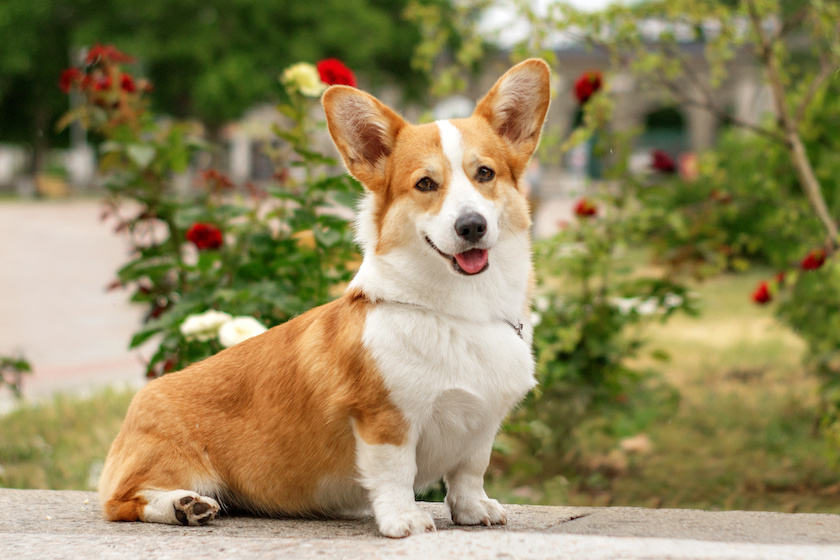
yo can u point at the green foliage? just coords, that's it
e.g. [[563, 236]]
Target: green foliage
[[447, 28], [210, 60], [745, 206], [273, 251]]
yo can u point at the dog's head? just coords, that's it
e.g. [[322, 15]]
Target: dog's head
[[448, 192]]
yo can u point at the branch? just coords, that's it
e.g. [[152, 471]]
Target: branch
[[826, 70], [799, 157], [719, 114], [793, 22], [708, 104]]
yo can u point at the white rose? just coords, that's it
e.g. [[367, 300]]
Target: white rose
[[648, 307], [238, 329], [672, 300], [625, 305], [204, 326], [303, 77]]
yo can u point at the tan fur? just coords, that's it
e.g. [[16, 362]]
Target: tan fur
[[307, 376]]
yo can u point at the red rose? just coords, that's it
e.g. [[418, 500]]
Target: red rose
[[813, 260], [585, 209], [106, 53], [333, 72], [586, 85], [762, 294], [205, 236], [662, 162], [127, 83], [70, 78], [102, 83]]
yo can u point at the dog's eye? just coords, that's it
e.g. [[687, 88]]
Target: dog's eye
[[425, 184], [484, 174]]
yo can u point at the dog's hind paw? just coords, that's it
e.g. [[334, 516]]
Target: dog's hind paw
[[195, 510]]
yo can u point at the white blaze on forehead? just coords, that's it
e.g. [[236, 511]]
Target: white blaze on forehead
[[452, 143], [462, 197], [461, 191]]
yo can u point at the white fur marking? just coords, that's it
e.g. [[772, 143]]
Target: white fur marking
[[461, 198], [388, 473]]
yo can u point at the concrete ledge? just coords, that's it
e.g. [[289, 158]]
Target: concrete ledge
[[48, 524]]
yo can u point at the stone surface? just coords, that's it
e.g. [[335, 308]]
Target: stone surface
[[49, 524]]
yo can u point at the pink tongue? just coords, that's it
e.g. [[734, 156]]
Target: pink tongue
[[472, 261]]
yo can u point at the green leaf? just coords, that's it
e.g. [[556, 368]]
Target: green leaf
[[327, 237], [346, 198], [139, 338], [141, 154]]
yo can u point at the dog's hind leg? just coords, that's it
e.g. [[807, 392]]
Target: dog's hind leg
[[174, 507], [158, 483]]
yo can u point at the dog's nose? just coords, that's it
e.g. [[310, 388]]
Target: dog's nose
[[471, 227]]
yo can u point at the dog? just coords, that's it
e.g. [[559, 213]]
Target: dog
[[404, 380]]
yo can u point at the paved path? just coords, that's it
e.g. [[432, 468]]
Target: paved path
[[56, 258], [43, 524]]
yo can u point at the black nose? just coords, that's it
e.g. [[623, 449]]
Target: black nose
[[471, 227]]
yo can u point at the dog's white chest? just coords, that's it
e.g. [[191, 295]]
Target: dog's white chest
[[453, 380]]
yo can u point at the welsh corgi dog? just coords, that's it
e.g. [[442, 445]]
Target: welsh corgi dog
[[404, 380]]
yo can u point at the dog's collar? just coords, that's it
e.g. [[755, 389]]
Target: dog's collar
[[517, 327]]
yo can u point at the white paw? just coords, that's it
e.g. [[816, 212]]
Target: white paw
[[479, 511], [403, 524], [194, 509]]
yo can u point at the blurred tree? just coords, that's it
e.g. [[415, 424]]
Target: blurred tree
[[209, 59]]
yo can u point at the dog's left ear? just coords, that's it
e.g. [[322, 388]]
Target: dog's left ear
[[364, 130], [516, 106]]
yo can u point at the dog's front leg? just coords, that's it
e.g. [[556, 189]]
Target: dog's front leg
[[388, 473], [465, 496]]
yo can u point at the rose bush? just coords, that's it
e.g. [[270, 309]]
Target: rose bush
[[223, 261]]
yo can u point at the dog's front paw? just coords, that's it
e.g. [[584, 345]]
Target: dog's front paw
[[194, 509], [481, 511], [403, 524]]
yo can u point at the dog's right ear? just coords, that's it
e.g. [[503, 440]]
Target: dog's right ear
[[364, 131]]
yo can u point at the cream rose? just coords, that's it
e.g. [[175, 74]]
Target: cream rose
[[238, 329], [204, 326], [303, 77]]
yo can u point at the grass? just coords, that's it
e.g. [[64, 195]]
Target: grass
[[61, 444], [743, 436]]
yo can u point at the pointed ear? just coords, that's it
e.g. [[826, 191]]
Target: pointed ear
[[364, 131], [516, 106]]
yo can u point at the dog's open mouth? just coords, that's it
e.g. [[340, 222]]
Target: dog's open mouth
[[469, 262]]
